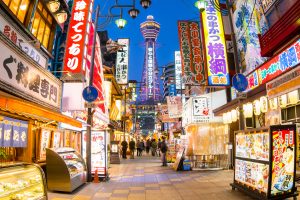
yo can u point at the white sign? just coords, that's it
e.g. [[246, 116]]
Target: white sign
[[178, 71], [10, 32], [122, 62], [150, 64], [174, 106], [202, 111], [22, 75]]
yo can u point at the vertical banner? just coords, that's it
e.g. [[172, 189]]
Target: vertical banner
[[23, 129], [56, 139], [283, 159], [150, 65], [191, 53], [178, 71], [45, 137], [215, 46], [7, 132], [16, 133], [174, 106], [77, 40], [122, 62]]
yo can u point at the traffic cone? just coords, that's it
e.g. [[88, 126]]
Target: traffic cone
[[96, 178]]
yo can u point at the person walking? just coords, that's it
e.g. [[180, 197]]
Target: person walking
[[141, 148], [148, 146], [153, 147], [138, 148], [159, 146], [124, 145], [164, 149], [132, 148]]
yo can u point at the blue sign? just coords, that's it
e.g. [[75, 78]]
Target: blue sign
[[240, 82], [172, 90], [90, 94]]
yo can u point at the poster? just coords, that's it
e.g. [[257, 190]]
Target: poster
[[283, 159], [45, 137], [67, 136], [174, 106], [56, 139], [253, 145], [252, 174]]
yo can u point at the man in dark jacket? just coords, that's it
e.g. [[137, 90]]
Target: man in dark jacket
[[164, 149], [132, 148], [124, 145]]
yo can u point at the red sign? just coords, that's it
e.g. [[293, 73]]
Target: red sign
[[75, 45], [191, 52]]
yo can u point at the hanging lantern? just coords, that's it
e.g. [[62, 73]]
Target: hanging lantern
[[293, 97], [263, 104], [273, 103], [283, 101], [248, 110], [61, 16], [256, 107], [121, 23], [234, 115], [225, 121], [229, 117], [53, 5]]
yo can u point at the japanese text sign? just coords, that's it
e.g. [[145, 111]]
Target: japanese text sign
[[22, 75], [191, 53], [178, 71], [174, 106], [77, 40], [122, 62], [150, 66], [13, 132], [202, 111], [11, 33], [274, 67], [215, 46]]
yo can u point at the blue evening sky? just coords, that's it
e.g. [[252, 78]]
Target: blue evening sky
[[165, 12]]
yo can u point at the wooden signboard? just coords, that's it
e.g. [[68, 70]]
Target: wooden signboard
[[178, 159]]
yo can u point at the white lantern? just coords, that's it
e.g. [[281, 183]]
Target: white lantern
[[248, 110], [264, 104], [229, 117], [256, 108], [283, 101], [225, 118], [273, 103], [293, 97], [234, 115]]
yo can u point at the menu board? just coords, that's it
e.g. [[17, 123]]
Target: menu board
[[252, 174], [67, 138], [56, 139], [45, 138], [283, 159], [253, 145]]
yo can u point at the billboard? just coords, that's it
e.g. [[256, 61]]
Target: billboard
[[215, 46], [193, 70]]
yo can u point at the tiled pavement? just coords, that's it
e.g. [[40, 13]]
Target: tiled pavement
[[145, 179]]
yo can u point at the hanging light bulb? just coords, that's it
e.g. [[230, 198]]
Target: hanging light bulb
[[145, 3], [121, 23], [201, 4]]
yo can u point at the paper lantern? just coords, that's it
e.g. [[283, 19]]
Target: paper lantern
[[229, 117], [264, 104], [283, 101], [248, 110], [293, 97], [225, 118], [256, 107], [273, 103], [234, 115]]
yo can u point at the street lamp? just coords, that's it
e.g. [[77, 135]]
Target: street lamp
[[201, 4], [133, 13], [121, 23], [145, 3]]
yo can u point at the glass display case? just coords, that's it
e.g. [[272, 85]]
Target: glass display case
[[265, 161], [22, 182], [66, 169]]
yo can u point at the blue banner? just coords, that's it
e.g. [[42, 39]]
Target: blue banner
[[13, 132], [172, 90]]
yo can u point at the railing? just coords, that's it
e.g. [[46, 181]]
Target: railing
[[285, 28]]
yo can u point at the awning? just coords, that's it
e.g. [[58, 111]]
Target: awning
[[33, 111]]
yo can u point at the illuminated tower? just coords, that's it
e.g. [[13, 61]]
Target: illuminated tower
[[150, 90]]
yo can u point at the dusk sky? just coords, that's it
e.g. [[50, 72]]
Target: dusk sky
[[165, 12]]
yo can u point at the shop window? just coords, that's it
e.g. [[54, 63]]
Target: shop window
[[298, 112], [18, 7], [283, 115], [291, 113], [42, 27], [250, 123]]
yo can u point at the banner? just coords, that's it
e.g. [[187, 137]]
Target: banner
[[122, 62], [174, 106], [215, 46], [178, 71], [193, 70]]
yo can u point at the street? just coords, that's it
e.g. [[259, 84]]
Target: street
[[144, 178]]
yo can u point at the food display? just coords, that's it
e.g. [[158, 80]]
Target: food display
[[22, 182], [253, 146], [265, 162], [66, 169]]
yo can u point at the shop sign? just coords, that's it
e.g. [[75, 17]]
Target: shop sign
[[253, 81], [77, 39], [13, 35], [56, 139], [266, 4], [174, 106], [28, 79], [202, 111], [122, 62], [193, 69], [13, 132], [233, 93], [178, 71], [150, 65], [291, 75], [165, 114], [283, 159], [215, 46], [45, 138], [172, 90]]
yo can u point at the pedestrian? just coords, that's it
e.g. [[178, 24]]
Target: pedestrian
[[164, 149], [154, 147], [141, 148], [132, 148], [159, 146], [124, 145], [138, 148], [148, 146]]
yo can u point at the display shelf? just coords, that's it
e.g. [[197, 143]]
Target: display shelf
[[19, 190]]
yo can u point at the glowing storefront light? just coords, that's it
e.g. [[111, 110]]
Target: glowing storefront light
[[256, 109], [263, 104], [293, 97], [248, 110], [273, 103], [282, 101], [234, 115]]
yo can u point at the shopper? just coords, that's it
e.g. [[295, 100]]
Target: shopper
[[154, 147], [124, 145], [141, 148], [159, 146], [164, 149], [132, 148], [138, 148], [148, 146]]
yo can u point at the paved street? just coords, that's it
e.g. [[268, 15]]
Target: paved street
[[144, 178]]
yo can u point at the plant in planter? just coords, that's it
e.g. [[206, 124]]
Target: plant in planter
[[3, 155]]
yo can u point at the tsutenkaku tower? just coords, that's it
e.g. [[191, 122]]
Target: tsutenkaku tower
[[150, 88]]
